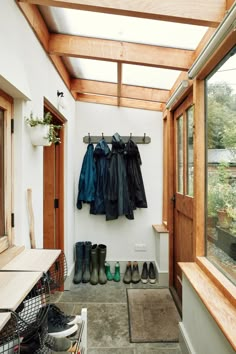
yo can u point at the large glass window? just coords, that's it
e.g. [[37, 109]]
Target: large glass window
[[221, 166]]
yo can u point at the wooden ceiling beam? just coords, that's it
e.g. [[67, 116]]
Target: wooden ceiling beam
[[127, 91], [116, 51], [39, 27], [124, 102], [204, 13]]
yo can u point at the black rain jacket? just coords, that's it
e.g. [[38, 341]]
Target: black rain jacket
[[134, 176], [101, 154], [118, 202]]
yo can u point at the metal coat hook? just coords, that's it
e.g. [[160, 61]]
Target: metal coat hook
[[137, 139]]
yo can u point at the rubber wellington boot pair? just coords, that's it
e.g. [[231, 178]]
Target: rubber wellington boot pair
[[110, 276], [82, 262], [98, 256]]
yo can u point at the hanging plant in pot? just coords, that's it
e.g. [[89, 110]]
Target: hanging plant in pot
[[42, 131]]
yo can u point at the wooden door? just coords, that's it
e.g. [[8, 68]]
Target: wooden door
[[183, 189], [53, 200]]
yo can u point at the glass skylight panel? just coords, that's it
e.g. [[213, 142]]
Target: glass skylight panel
[[148, 77], [123, 28], [92, 69]]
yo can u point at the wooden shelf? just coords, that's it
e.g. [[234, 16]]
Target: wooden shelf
[[4, 318], [160, 228], [38, 260], [15, 286]]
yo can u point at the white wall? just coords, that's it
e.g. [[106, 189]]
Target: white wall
[[200, 332], [122, 234], [27, 72]]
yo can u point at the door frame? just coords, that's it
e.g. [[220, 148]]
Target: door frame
[[169, 169], [6, 104], [184, 203], [60, 157]]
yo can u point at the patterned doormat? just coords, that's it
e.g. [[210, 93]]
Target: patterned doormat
[[153, 316]]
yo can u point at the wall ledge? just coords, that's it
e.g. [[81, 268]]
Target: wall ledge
[[160, 228], [218, 305]]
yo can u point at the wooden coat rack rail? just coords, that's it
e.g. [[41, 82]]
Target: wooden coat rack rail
[[137, 139]]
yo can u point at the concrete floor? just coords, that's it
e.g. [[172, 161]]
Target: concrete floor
[[108, 328]]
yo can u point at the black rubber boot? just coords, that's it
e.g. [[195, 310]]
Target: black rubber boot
[[87, 256], [102, 251], [94, 263], [79, 254]]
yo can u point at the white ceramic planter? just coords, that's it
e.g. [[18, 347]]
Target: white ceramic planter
[[39, 134]]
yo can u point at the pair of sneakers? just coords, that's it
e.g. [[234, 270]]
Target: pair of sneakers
[[61, 325], [148, 273]]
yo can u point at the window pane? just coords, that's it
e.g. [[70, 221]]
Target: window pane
[[2, 216], [180, 154], [190, 166], [221, 167]]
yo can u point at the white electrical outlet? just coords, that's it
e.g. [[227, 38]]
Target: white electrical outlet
[[140, 247]]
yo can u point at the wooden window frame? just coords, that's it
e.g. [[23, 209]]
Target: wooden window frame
[[199, 161], [6, 104]]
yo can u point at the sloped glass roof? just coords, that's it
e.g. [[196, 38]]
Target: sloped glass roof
[[122, 28]]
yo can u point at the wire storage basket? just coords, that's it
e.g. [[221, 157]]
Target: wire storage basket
[[34, 308], [57, 273], [9, 336], [34, 342]]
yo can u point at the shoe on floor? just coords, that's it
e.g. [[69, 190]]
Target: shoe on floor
[[128, 274], [56, 312], [108, 271], [57, 328], [144, 275], [152, 274], [135, 273], [116, 276], [61, 344]]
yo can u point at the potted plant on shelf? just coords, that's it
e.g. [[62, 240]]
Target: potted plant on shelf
[[42, 130]]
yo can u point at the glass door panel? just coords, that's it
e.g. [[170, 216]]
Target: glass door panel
[[190, 161], [180, 159]]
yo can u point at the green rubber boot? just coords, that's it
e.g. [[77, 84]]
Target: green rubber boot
[[108, 271], [117, 272]]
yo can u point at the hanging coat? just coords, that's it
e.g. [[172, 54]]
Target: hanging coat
[[118, 202], [101, 154], [134, 176], [87, 180]]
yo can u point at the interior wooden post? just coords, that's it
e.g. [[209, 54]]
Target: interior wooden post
[[199, 168]]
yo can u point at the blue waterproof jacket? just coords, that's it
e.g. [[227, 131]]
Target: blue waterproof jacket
[[87, 180]]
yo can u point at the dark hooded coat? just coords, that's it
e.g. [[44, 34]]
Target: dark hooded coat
[[134, 176], [101, 154], [87, 180], [118, 202]]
